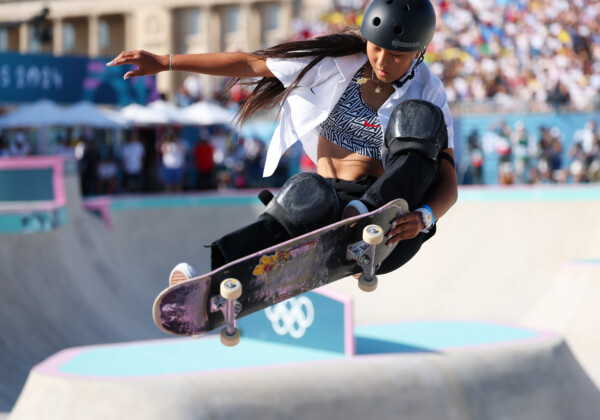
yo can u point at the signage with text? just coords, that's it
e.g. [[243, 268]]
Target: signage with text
[[27, 78]]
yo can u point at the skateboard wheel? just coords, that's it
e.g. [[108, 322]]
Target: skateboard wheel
[[373, 235], [231, 289], [367, 285], [230, 340]]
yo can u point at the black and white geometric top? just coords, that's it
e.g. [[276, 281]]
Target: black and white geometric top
[[352, 124]]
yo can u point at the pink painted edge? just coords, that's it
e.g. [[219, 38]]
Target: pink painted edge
[[25, 208], [37, 162], [102, 205], [51, 366]]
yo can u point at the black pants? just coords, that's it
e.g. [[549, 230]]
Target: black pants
[[409, 176]]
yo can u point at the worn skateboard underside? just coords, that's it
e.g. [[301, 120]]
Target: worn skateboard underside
[[272, 275]]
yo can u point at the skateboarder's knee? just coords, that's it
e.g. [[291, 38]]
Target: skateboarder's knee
[[306, 202], [416, 126]]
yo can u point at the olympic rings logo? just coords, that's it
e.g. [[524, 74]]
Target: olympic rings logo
[[292, 317]]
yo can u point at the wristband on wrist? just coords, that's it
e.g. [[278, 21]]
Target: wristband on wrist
[[428, 217], [171, 62]]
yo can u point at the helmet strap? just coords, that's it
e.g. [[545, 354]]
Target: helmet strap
[[399, 83]]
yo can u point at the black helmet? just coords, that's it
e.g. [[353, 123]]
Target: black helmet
[[399, 25]]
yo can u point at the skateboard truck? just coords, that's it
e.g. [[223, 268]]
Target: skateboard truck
[[364, 254], [231, 290]]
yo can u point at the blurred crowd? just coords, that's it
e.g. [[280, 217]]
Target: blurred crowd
[[211, 161], [546, 52], [542, 53], [534, 158], [216, 161]]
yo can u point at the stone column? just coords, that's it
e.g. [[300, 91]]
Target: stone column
[[286, 16], [57, 37], [93, 34], [24, 38], [251, 26]]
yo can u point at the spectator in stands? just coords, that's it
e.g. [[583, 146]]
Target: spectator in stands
[[578, 165], [503, 146], [205, 164], [132, 156], [89, 159], [173, 161], [587, 137], [20, 145], [108, 172], [550, 155], [4, 147], [255, 159], [64, 147], [474, 171], [521, 151], [559, 98]]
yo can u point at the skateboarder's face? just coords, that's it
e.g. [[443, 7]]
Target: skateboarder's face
[[389, 65]]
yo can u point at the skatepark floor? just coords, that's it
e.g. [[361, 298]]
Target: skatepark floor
[[93, 281]]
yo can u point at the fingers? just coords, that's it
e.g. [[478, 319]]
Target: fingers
[[126, 57], [132, 73], [146, 62], [403, 228]]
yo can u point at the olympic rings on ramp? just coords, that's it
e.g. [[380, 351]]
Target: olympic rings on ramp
[[292, 317]]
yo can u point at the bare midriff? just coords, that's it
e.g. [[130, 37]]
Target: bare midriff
[[336, 162]]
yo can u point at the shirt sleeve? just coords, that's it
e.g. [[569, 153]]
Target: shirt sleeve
[[287, 70]]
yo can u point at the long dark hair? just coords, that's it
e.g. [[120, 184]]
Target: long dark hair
[[270, 92]]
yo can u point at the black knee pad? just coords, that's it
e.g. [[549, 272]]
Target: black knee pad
[[306, 202], [416, 126]]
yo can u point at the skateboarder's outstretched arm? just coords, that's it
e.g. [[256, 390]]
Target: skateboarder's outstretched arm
[[232, 64]]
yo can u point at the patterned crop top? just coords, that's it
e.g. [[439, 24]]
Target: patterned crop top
[[352, 124]]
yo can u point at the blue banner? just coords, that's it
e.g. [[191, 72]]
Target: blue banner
[[27, 78]]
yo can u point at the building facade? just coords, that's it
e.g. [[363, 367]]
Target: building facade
[[105, 28]]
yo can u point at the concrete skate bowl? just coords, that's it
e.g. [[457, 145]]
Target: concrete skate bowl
[[525, 258], [69, 277]]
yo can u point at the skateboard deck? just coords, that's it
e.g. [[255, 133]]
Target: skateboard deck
[[304, 263]]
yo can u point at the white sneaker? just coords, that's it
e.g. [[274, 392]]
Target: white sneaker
[[354, 208], [182, 272]]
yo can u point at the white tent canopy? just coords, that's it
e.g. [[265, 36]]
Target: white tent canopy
[[173, 113], [42, 113], [161, 112], [137, 114], [208, 113], [46, 113], [89, 115]]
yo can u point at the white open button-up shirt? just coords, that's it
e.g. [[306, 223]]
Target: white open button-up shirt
[[307, 106]]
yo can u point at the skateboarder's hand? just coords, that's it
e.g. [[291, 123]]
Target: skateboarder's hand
[[148, 63], [405, 227]]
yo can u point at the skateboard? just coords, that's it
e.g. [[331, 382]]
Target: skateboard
[[351, 246]]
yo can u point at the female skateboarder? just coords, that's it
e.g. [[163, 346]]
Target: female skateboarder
[[366, 109]]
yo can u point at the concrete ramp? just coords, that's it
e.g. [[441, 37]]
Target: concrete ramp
[[512, 255], [521, 257], [87, 283], [530, 380]]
